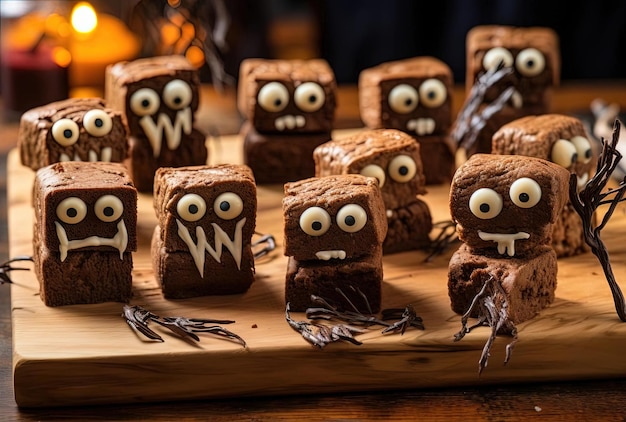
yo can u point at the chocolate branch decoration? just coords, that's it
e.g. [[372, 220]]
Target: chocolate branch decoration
[[590, 198], [6, 268]]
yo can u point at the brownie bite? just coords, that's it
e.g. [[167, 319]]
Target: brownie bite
[[413, 95], [562, 140], [207, 216], [334, 229], [505, 207], [289, 108], [393, 158], [76, 129], [158, 97], [84, 233]]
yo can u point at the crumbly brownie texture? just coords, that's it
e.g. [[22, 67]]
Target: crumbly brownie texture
[[225, 263], [536, 136], [276, 158], [408, 228], [162, 135], [306, 278], [529, 283], [498, 173], [438, 158], [39, 147], [84, 260], [254, 74], [375, 84]]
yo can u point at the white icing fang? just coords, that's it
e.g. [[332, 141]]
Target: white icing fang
[[105, 155], [389, 213], [582, 180], [119, 241], [173, 133], [516, 99], [422, 126], [506, 242], [326, 255], [197, 248], [289, 121]]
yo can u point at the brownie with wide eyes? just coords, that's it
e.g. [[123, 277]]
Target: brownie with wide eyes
[[76, 129], [506, 205], [287, 96], [203, 242]]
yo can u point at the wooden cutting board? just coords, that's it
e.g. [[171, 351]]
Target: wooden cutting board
[[86, 354]]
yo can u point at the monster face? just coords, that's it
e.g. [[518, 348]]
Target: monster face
[[506, 205]]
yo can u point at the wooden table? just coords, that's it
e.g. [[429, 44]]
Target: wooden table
[[580, 400]]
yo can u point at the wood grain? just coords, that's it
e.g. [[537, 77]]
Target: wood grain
[[87, 355]]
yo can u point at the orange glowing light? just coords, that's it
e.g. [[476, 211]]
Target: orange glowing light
[[195, 55], [61, 56], [170, 33], [84, 18]]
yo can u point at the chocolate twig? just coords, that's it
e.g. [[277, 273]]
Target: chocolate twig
[[321, 335], [590, 198], [6, 268], [446, 237], [267, 242], [137, 318]]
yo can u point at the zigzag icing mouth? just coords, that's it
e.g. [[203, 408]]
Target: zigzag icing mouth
[[331, 254], [289, 121], [119, 241], [105, 155], [173, 132], [506, 242]]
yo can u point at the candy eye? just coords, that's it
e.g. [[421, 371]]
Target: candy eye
[[65, 132], [433, 93], [403, 98], [496, 55], [309, 96], [315, 221], [485, 203], [177, 94], [530, 62], [525, 192], [402, 168], [583, 149], [273, 97], [97, 122], [71, 210], [191, 207], [564, 153], [228, 205], [373, 170], [144, 102], [351, 218], [108, 208]]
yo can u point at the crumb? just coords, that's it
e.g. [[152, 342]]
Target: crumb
[[537, 409], [254, 326]]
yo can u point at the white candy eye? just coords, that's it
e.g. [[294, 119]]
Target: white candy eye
[[402, 168], [309, 96], [273, 97], [228, 205], [403, 98], [71, 210], [433, 93], [373, 170], [108, 208], [525, 192], [583, 149], [144, 102], [564, 153], [177, 94], [191, 207], [496, 55], [315, 221], [65, 132], [97, 122], [530, 62], [351, 218], [485, 203]]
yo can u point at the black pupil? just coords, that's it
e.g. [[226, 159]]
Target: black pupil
[[484, 208], [277, 102], [408, 102], [71, 212], [530, 63], [67, 133], [316, 225], [588, 153], [431, 94], [403, 170], [178, 100], [524, 197], [145, 103], [224, 206], [574, 157], [350, 220], [193, 209], [312, 99], [99, 123]]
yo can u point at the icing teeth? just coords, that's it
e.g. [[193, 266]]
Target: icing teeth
[[326, 255], [289, 121], [582, 180], [105, 155], [422, 126], [173, 132], [506, 242], [119, 241], [516, 99]]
